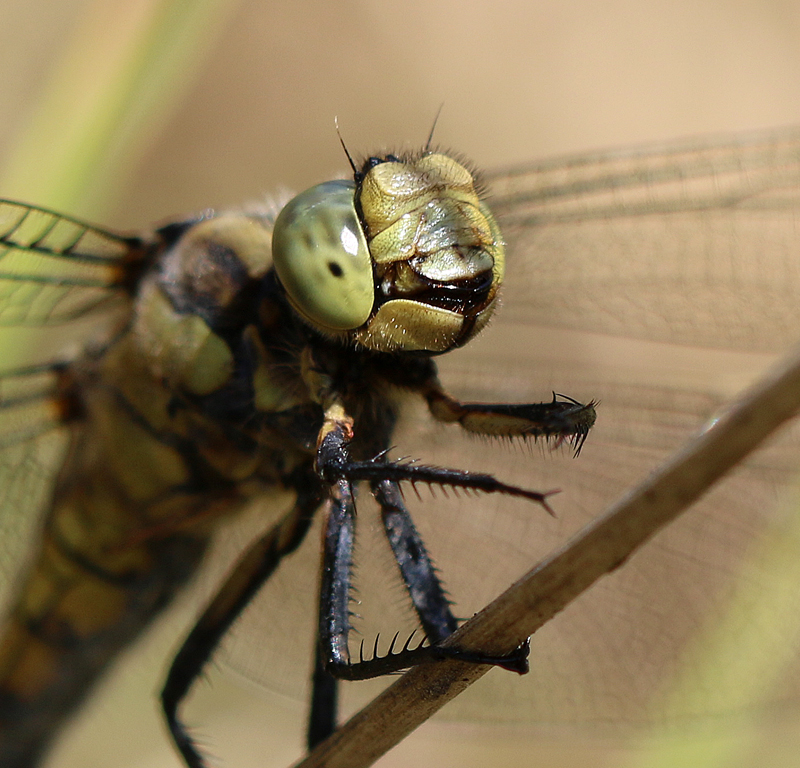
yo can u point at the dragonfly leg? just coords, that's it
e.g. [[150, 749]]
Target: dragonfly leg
[[418, 572], [324, 702], [248, 575], [562, 419], [334, 613], [333, 462], [424, 586]]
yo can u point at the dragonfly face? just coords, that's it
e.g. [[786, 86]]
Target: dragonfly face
[[624, 271], [424, 256]]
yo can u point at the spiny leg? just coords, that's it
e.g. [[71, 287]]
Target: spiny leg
[[334, 616], [335, 465], [424, 586], [418, 572], [562, 419], [246, 578]]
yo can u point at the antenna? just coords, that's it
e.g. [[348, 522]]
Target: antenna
[[433, 128], [344, 146]]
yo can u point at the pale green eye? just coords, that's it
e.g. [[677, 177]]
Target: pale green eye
[[322, 258]]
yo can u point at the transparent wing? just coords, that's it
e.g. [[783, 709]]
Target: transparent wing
[[54, 268], [63, 285], [669, 245], [659, 282], [32, 444]]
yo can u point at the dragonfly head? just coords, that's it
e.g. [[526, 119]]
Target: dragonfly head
[[406, 257]]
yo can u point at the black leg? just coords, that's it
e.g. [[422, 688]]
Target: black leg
[[246, 578], [561, 420], [337, 563], [416, 568], [324, 702], [334, 615], [334, 464], [423, 584]]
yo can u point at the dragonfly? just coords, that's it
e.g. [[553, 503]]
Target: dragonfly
[[587, 300], [258, 352]]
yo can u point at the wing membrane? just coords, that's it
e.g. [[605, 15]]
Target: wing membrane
[[62, 284], [670, 244], [33, 439], [54, 268], [29, 404]]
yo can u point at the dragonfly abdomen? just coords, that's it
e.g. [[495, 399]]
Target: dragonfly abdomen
[[70, 622], [127, 527]]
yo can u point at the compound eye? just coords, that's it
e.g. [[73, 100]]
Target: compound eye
[[322, 258]]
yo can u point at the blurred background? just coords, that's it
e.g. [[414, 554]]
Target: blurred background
[[246, 94], [130, 113]]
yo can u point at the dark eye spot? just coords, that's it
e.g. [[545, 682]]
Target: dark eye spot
[[335, 269]]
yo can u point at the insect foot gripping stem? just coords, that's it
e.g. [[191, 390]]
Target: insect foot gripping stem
[[335, 466], [516, 661]]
